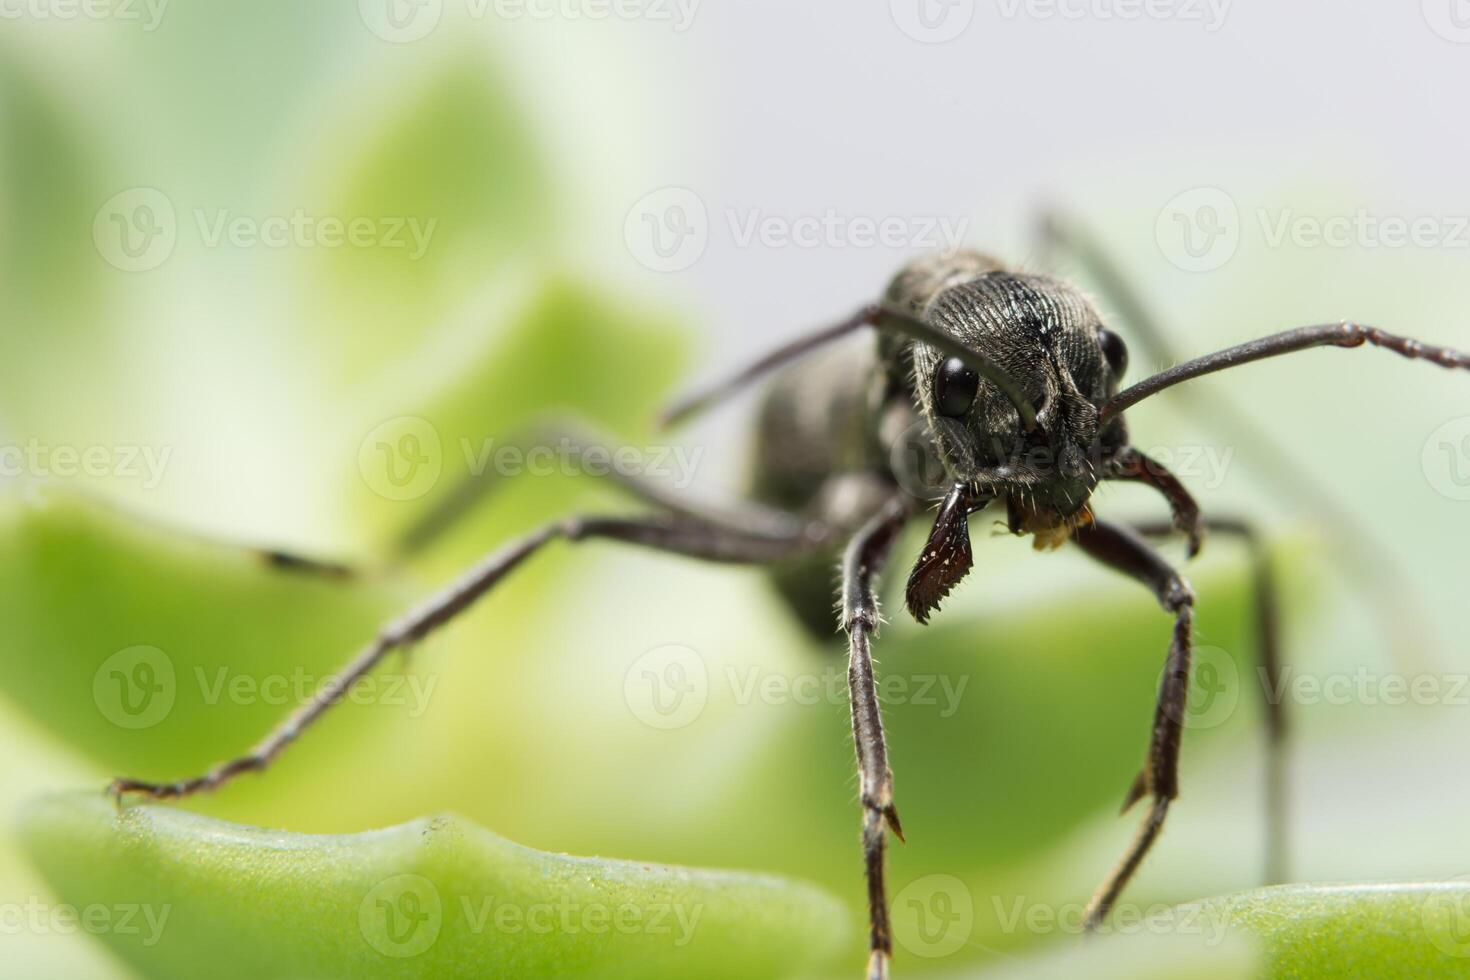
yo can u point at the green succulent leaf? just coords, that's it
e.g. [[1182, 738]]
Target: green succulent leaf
[[451, 196], [439, 897], [561, 349], [1369, 930], [1399, 931], [53, 284], [158, 653]]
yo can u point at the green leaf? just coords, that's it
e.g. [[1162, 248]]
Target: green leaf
[[1383, 931], [448, 174], [158, 653], [1009, 729], [438, 897], [562, 349], [52, 300], [1293, 932], [101, 608]]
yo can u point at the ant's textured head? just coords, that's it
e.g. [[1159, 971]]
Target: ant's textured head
[[1049, 341]]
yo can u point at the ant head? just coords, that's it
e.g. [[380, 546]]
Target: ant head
[[1027, 431], [1049, 341]]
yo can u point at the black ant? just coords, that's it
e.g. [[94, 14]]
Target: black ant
[[1013, 381]]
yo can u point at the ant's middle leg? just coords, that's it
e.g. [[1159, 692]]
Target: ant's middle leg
[[582, 444], [668, 533]]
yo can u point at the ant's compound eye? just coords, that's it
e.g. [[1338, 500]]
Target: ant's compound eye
[[1114, 350], [955, 386]]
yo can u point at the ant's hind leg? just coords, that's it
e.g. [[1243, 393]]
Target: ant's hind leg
[[1123, 550], [669, 533]]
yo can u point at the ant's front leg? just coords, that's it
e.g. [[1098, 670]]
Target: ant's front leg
[[1122, 549], [1265, 598], [864, 558], [1130, 465], [673, 533]]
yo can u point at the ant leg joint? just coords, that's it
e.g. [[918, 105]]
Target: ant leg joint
[[1177, 595]]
